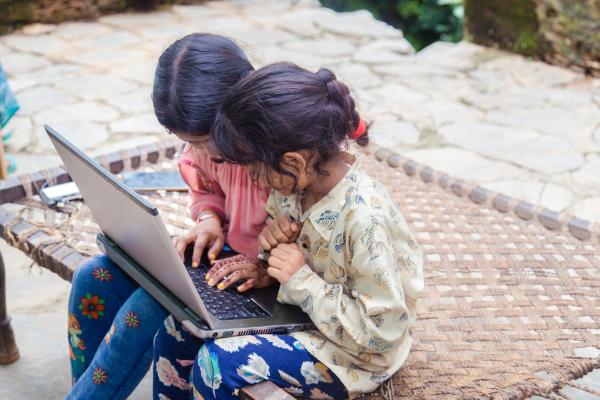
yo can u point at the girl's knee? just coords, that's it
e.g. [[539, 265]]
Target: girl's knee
[[101, 271], [97, 269]]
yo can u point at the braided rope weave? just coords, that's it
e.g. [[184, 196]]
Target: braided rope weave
[[512, 297]]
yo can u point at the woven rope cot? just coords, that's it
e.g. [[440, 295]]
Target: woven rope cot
[[511, 306]]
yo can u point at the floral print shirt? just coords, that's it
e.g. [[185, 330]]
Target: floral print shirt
[[360, 283]]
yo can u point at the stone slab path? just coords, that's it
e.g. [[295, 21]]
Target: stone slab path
[[517, 126], [525, 128]]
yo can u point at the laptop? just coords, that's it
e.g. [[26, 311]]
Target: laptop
[[135, 238]]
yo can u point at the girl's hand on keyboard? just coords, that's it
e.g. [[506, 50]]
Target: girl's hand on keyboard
[[206, 233], [228, 271]]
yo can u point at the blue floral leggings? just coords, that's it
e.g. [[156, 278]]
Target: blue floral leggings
[[218, 369], [112, 322]]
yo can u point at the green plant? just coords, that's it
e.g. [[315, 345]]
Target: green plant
[[422, 21]]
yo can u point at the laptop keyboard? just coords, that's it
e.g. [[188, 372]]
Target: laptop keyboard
[[224, 304]]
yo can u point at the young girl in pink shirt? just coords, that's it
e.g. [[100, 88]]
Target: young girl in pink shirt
[[112, 321]]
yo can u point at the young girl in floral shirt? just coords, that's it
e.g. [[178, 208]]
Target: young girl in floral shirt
[[355, 267]]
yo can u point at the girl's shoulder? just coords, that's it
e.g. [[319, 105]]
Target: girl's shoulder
[[365, 194], [369, 184], [367, 202]]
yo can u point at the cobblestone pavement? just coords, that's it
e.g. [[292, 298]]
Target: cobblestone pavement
[[524, 128], [521, 127]]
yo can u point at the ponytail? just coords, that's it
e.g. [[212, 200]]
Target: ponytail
[[339, 92]]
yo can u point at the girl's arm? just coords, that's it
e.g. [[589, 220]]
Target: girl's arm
[[205, 194], [373, 314], [206, 205]]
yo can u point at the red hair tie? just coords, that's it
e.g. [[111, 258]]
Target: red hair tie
[[360, 129]]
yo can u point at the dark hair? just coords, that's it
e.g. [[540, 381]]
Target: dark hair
[[282, 108], [191, 79]]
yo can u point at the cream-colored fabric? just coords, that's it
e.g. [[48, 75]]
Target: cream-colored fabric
[[362, 276]]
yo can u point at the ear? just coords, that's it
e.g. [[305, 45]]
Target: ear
[[293, 162]]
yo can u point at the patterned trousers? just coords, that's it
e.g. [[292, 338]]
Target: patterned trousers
[[185, 367], [112, 323]]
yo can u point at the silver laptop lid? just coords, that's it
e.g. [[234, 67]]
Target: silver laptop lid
[[130, 220]]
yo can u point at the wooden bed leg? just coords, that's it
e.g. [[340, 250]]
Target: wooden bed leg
[[9, 352], [266, 390]]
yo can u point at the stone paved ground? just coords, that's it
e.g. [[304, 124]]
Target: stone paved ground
[[521, 127]]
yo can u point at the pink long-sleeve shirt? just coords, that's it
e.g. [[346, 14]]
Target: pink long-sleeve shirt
[[228, 190]]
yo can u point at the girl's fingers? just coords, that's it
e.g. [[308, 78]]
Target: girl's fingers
[[287, 248], [181, 244], [199, 247], [287, 228], [275, 273], [276, 262], [234, 277], [217, 273], [215, 249], [280, 234], [215, 266], [284, 251], [264, 243], [278, 252], [294, 236], [228, 280], [249, 284], [176, 245], [218, 264], [268, 235], [227, 270]]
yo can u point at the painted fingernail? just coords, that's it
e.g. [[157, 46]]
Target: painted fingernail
[[211, 282], [221, 286], [207, 277], [195, 264], [211, 256]]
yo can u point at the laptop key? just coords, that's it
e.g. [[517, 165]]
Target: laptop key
[[227, 315], [244, 313]]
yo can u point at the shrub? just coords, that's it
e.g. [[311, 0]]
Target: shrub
[[422, 21]]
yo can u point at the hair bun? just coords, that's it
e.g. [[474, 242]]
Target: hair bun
[[339, 93], [325, 75]]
